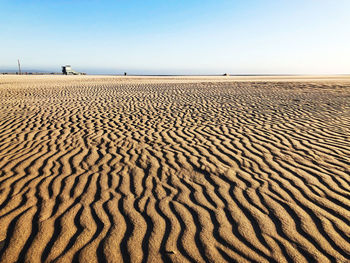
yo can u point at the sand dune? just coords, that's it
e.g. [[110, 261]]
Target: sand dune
[[115, 169]]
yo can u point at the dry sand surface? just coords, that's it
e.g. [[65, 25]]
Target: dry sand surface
[[186, 169]]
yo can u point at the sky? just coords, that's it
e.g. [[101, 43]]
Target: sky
[[177, 36]]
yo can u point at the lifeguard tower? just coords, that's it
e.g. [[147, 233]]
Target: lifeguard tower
[[67, 70]]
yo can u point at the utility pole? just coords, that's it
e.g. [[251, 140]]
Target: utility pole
[[19, 67]]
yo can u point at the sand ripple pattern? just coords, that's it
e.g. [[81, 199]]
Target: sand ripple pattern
[[104, 170]]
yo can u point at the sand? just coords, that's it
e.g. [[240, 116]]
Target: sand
[[185, 169]]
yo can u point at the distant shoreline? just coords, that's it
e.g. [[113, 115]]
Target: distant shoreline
[[180, 75]]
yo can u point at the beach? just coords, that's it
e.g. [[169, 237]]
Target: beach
[[174, 169]]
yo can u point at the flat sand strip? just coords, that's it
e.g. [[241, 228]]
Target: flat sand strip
[[174, 169]]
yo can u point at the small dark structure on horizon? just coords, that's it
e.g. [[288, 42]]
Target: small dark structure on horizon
[[19, 67], [226, 75], [67, 70]]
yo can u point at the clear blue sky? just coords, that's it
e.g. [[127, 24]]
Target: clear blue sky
[[177, 36]]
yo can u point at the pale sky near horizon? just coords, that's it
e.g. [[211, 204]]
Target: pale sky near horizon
[[177, 36]]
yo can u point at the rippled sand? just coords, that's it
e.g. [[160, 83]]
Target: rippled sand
[[174, 169]]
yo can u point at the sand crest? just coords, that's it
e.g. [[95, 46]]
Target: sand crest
[[186, 169]]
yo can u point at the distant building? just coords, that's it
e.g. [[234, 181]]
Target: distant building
[[67, 70]]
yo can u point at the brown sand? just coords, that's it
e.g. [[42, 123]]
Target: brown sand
[[174, 169]]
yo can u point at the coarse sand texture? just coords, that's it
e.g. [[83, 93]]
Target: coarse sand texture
[[185, 169]]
